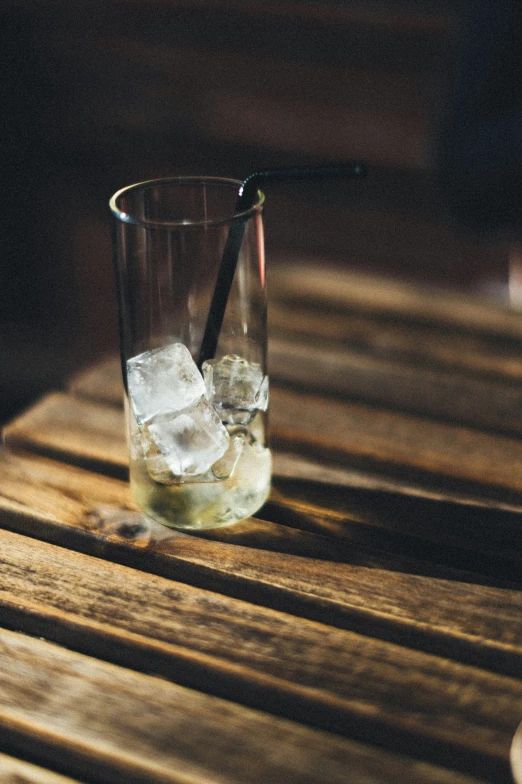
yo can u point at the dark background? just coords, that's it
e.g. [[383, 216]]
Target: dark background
[[97, 95]]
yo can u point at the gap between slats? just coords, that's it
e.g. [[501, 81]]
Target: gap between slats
[[16, 771]]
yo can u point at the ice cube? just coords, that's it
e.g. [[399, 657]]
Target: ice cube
[[163, 380], [190, 440], [236, 388], [157, 466], [252, 477], [226, 465], [254, 464]]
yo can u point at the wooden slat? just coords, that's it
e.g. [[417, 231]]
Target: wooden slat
[[112, 724], [434, 392], [320, 286], [420, 528], [395, 336], [479, 540], [413, 349], [329, 678], [433, 529], [376, 318], [397, 443], [441, 391], [376, 594], [100, 382], [379, 318], [15, 771], [58, 425], [46, 496], [434, 455]]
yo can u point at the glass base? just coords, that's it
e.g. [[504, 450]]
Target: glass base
[[201, 505]]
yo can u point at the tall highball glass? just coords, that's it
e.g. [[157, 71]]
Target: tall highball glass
[[196, 422]]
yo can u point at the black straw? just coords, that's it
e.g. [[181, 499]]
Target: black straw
[[245, 201]]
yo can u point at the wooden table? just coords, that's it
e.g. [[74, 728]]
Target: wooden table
[[366, 626]]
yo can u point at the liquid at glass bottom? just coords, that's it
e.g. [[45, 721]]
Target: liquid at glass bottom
[[200, 505]]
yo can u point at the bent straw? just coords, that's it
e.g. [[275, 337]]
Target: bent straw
[[245, 200]]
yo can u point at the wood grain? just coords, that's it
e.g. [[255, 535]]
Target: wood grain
[[355, 433], [102, 383], [489, 398], [460, 377], [325, 677], [452, 357], [442, 463], [395, 336], [411, 531], [58, 425], [432, 391], [112, 724], [435, 455], [55, 500], [389, 596], [343, 291]]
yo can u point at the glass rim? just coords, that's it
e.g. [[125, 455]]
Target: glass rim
[[181, 224]]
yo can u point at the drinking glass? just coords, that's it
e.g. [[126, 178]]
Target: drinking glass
[[196, 429]]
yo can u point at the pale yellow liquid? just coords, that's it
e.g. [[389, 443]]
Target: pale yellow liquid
[[198, 505]]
